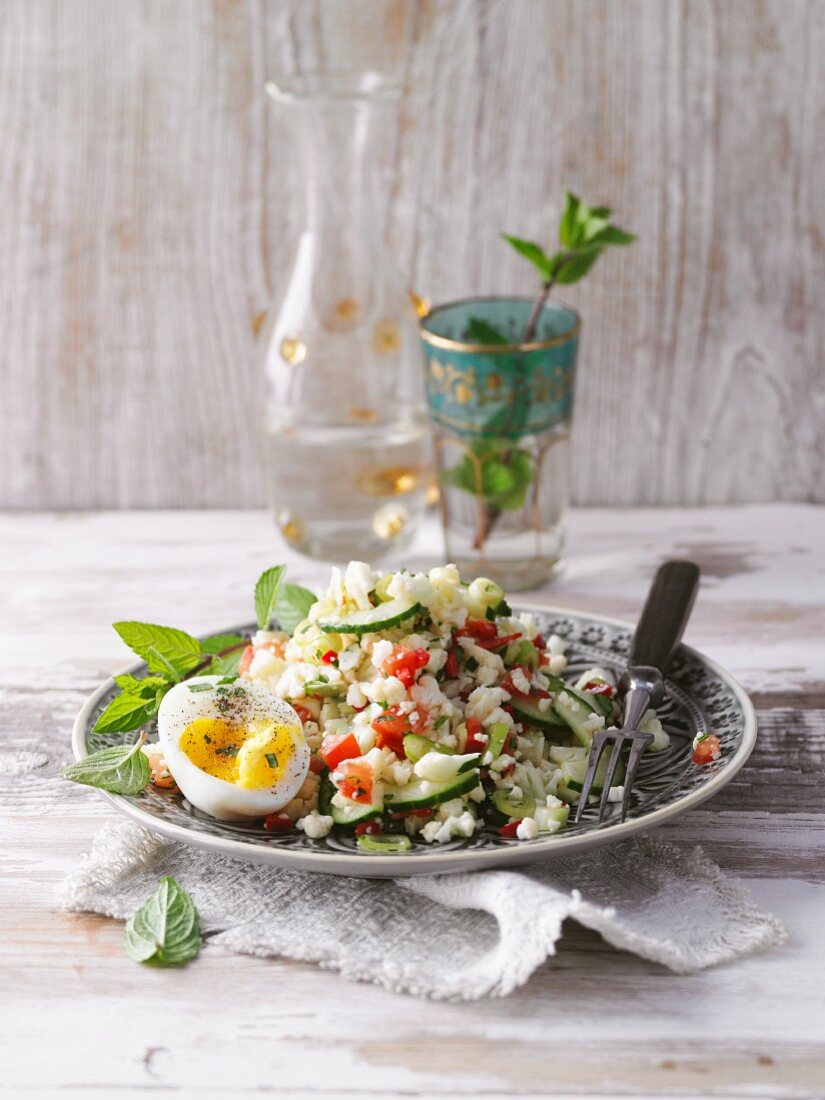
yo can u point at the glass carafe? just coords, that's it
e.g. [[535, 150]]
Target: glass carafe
[[346, 446]]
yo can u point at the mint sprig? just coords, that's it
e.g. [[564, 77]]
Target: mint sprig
[[266, 591], [173, 655], [166, 930], [122, 769]]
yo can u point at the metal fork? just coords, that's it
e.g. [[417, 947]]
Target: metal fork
[[659, 631]]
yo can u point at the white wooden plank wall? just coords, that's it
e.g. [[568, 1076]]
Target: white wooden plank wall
[[145, 194]]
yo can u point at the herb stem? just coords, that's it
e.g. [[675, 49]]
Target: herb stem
[[211, 657], [491, 514]]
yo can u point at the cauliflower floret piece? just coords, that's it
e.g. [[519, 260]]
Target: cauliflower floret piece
[[556, 645], [442, 831], [356, 697], [427, 693], [359, 581], [381, 652], [315, 825], [520, 681], [484, 700], [438, 658], [527, 829], [556, 664], [387, 689], [264, 665], [349, 659], [651, 724]]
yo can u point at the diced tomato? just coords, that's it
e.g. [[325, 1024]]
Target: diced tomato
[[499, 642], [160, 775], [304, 713], [597, 687], [534, 694], [511, 828], [393, 720], [539, 642], [246, 660], [544, 660], [477, 628], [708, 749], [337, 747], [413, 813], [475, 740], [356, 779], [277, 823], [330, 657], [316, 765], [451, 665], [404, 663], [369, 828]]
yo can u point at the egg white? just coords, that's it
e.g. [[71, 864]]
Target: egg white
[[217, 797]]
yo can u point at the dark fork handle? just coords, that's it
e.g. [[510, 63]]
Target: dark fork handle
[[665, 614]]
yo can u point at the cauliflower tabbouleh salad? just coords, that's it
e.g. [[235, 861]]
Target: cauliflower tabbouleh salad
[[431, 711], [402, 707]]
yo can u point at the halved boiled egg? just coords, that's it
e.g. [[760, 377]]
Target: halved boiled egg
[[236, 751]]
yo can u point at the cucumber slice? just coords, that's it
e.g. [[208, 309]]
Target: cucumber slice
[[497, 733], [385, 844], [599, 704], [528, 711], [575, 710], [373, 619], [417, 745], [351, 813], [573, 773], [510, 809], [422, 794], [561, 754]]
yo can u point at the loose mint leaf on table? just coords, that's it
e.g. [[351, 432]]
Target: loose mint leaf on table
[[161, 647], [122, 769], [166, 930], [292, 606], [484, 333], [266, 591]]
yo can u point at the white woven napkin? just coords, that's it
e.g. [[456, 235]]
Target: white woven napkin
[[456, 937]]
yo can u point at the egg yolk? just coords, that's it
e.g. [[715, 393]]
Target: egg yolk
[[254, 756]]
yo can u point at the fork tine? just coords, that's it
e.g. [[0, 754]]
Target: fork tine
[[610, 774], [637, 747], [596, 748]]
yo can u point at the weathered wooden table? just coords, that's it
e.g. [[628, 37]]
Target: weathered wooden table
[[79, 1017]]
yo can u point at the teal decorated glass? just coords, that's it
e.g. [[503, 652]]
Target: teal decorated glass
[[501, 412]]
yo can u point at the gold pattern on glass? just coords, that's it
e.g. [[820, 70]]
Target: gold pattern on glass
[[386, 339], [293, 528], [293, 350], [364, 415], [389, 521], [422, 306], [390, 481], [345, 313]]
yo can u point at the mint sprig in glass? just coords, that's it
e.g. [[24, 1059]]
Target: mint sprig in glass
[[500, 375]]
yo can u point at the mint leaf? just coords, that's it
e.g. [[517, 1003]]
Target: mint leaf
[[484, 333], [146, 688], [222, 641], [532, 252], [166, 930], [292, 606], [168, 646], [224, 666], [158, 663], [266, 591], [520, 467], [126, 712], [577, 266], [611, 234], [122, 769], [569, 228]]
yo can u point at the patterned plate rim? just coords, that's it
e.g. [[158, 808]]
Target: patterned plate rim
[[450, 861]]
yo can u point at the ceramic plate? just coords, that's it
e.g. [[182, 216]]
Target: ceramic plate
[[700, 696]]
